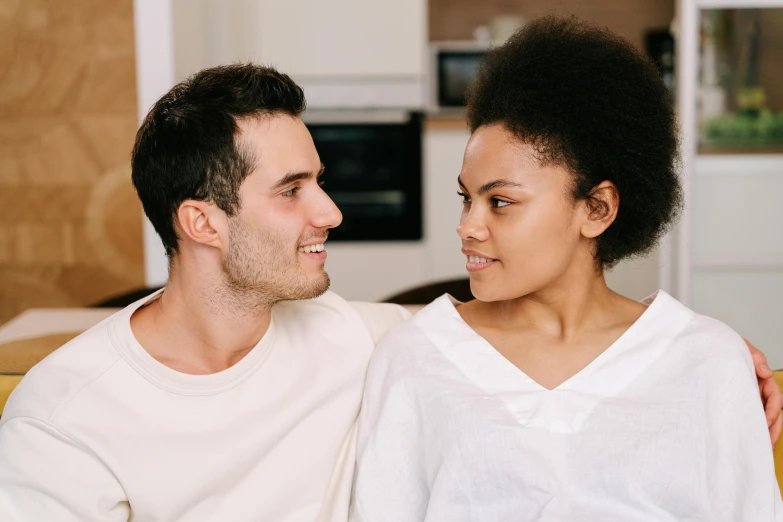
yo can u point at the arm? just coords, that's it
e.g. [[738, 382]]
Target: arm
[[46, 475], [771, 395], [390, 482]]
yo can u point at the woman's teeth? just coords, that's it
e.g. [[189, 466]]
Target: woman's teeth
[[312, 248], [476, 259]]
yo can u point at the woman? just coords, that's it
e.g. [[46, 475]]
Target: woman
[[550, 397]]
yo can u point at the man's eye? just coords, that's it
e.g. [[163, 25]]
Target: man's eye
[[465, 197], [291, 192]]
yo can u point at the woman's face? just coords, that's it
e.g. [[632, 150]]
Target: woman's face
[[519, 218]]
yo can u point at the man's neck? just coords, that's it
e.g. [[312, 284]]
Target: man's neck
[[198, 326]]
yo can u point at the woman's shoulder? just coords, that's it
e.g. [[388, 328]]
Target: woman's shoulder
[[408, 343], [714, 343], [720, 339]]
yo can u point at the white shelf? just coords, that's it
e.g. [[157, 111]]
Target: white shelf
[[727, 253]]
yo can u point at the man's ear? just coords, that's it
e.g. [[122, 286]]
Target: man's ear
[[202, 222], [602, 206]]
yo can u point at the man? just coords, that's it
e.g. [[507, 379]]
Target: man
[[231, 395]]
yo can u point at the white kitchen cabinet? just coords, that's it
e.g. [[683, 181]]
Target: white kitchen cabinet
[[343, 38], [211, 32], [344, 53]]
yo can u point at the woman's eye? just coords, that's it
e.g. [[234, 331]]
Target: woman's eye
[[290, 192], [465, 197], [499, 203]]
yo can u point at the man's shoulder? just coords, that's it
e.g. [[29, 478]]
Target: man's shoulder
[[55, 381], [380, 317], [332, 309]]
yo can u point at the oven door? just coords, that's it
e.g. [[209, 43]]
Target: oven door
[[373, 172]]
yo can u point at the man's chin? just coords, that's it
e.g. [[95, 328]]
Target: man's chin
[[322, 287], [312, 287]]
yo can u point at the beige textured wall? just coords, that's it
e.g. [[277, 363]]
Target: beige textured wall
[[70, 232]]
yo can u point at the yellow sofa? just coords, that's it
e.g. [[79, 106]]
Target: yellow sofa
[[18, 356], [9, 382], [779, 448], [7, 385]]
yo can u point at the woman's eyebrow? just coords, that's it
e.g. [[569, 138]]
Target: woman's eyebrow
[[498, 183]]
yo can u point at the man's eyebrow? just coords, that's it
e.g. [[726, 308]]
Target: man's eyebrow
[[292, 177], [498, 183]]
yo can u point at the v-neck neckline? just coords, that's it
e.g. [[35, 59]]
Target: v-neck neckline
[[616, 346], [566, 408], [486, 366]]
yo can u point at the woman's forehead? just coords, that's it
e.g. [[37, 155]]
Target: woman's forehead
[[493, 151]]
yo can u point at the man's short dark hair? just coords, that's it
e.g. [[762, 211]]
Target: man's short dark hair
[[587, 99], [186, 147]]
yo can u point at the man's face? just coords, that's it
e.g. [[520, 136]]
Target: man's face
[[276, 240]]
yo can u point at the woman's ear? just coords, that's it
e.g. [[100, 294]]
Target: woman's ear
[[201, 222], [602, 205]]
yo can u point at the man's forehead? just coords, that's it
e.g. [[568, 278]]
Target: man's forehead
[[268, 126], [278, 144]]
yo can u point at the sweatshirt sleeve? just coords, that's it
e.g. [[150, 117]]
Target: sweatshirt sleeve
[[47, 475], [390, 480]]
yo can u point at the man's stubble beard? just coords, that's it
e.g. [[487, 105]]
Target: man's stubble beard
[[263, 269]]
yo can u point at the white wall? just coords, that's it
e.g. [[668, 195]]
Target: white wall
[[154, 46], [636, 278], [212, 32]]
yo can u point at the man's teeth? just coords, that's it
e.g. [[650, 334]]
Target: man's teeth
[[312, 248], [476, 259]]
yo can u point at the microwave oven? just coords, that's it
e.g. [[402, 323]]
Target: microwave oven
[[453, 67]]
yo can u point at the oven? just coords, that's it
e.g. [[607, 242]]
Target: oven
[[373, 162]]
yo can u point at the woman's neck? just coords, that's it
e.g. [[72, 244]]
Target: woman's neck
[[564, 309]]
